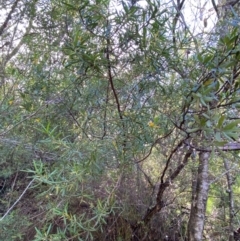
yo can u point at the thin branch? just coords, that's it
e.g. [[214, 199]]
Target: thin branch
[[215, 8], [162, 187], [9, 210], [146, 176], [16, 49], [20, 122], [105, 114], [231, 146], [181, 166], [185, 24], [156, 142], [170, 157], [175, 20], [4, 25], [111, 80], [223, 174]]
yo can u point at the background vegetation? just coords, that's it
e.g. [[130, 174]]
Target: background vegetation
[[119, 120]]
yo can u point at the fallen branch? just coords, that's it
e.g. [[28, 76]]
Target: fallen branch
[[9, 210]]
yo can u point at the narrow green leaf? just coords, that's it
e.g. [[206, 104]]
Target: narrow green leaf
[[208, 98], [218, 136], [220, 143], [70, 6], [49, 229], [231, 125], [207, 59], [220, 121], [191, 130], [233, 135], [205, 115], [208, 123], [203, 102]]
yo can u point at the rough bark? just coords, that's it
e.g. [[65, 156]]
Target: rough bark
[[197, 215], [230, 200]]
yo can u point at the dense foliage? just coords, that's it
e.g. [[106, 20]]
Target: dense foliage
[[118, 121]]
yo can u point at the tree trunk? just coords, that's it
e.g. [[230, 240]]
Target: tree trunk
[[230, 200], [199, 200]]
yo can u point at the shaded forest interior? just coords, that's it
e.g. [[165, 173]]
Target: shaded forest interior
[[119, 120]]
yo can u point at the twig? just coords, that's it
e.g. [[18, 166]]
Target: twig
[[215, 8], [223, 174], [14, 181], [4, 25], [151, 148], [110, 77], [170, 157], [230, 146], [20, 122], [179, 14], [9, 210], [175, 20]]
